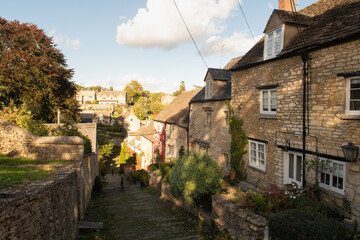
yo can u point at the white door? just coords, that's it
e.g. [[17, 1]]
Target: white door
[[293, 168]]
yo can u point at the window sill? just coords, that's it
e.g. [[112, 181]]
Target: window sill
[[257, 169], [350, 117], [331, 192], [267, 116]]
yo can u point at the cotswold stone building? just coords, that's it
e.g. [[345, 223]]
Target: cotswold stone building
[[209, 115], [171, 127], [299, 88]]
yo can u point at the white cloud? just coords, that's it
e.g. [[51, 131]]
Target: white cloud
[[237, 43], [59, 39], [160, 25], [74, 44]]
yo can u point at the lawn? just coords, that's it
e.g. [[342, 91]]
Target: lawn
[[15, 171]]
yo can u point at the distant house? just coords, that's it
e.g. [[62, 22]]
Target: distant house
[[130, 122], [112, 97], [171, 126], [209, 116], [299, 92], [85, 96]]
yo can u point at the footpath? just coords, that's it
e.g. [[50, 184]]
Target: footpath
[[138, 213]]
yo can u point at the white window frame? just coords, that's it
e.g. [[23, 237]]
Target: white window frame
[[332, 171], [170, 150], [255, 159], [348, 88], [276, 34], [269, 101], [287, 165], [208, 89]]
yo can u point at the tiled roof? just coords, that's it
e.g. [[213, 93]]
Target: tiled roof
[[232, 62], [177, 112], [86, 93], [332, 22], [115, 94], [147, 131], [224, 94], [219, 74]]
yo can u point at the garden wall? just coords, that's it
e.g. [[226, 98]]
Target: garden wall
[[241, 223], [20, 142], [49, 209]]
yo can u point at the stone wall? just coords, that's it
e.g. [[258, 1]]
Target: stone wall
[[45, 210], [215, 137], [49, 209], [329, 126], [175, 140], [87, 129], [20, 142]]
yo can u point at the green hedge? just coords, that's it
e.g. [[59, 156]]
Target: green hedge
[[299, 225], [165, 169]]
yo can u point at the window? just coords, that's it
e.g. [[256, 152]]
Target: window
[[208, 118], [257, 155], [353, 96], [293, 168], [268, 101], [208, 89], [332, 175], [170, 150], [170, 131], [273, 43]]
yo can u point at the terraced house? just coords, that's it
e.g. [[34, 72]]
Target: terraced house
[[299, 88]]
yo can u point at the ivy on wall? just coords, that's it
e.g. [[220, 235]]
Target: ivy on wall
[[238, 143]]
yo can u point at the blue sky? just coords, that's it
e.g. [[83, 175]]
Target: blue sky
[[110, 43]]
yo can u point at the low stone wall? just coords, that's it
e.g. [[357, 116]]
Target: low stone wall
[[49, 209], [20, 142], [241, 223], [45, 210]]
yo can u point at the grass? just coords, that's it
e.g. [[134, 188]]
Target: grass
[[13, 173]]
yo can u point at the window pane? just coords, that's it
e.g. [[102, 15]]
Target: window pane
[[335, 182], [355, 83], [355, 94], [327, 179], [341, 183], [341, 170], [265, 100], [298, 168], [355, 105], [270, 44], [322, 177], [291, 166], [278, 41]]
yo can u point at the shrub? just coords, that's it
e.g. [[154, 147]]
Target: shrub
[[298, 224], [135, 176], [97, 184], [195, 177], [153, 167], [165, 169]]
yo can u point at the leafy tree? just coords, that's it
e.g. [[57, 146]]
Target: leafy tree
[[156, 107], [33, 73], [134, 91], [181, 89], [141, 108], [124, 154]]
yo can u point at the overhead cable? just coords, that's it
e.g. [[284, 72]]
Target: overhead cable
[[246, 20]]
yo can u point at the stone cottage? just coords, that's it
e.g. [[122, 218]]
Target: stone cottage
[[85, 96], [209, 116], [112, 97], [171, 126], [299, 88]]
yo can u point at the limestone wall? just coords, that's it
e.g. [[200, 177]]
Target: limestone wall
[[20, 142], [46, 210], [215, 137]]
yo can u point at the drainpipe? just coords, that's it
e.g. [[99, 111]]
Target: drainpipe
[[304, 58], [187, 130]]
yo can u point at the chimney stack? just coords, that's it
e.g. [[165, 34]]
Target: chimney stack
[[285, 5]]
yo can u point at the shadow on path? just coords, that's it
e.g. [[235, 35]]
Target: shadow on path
[[138, 213]]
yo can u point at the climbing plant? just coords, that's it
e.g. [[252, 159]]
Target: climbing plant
[[238, 143]]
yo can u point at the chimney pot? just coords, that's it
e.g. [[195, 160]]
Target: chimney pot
[[285, 5]]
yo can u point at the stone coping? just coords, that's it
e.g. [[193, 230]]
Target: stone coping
[[65, 140]]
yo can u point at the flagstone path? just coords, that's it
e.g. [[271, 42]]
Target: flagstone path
[[138, 213]]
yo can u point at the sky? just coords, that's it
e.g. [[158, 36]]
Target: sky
[[111, 42]]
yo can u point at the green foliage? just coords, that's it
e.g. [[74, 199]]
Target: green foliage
[[34, 73], [135, 176], [124, 154], [257, 201], [141, 108], [134, 91], [181, 89], [165, 169], [13, 161], [238, 144], [195, 177], [95, 101], [23, 118], [181, 151], [153, 167], [68, 129], [298, 224]]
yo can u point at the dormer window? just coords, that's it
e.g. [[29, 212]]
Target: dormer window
[[273, 43], [208, 89]]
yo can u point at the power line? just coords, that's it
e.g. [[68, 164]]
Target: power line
[[190, 35], [246, 21]]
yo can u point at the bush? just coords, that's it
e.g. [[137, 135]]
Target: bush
[[97, 185], [165, 169], [135, 176], [153, 167], [195, 177], [297, 224]]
